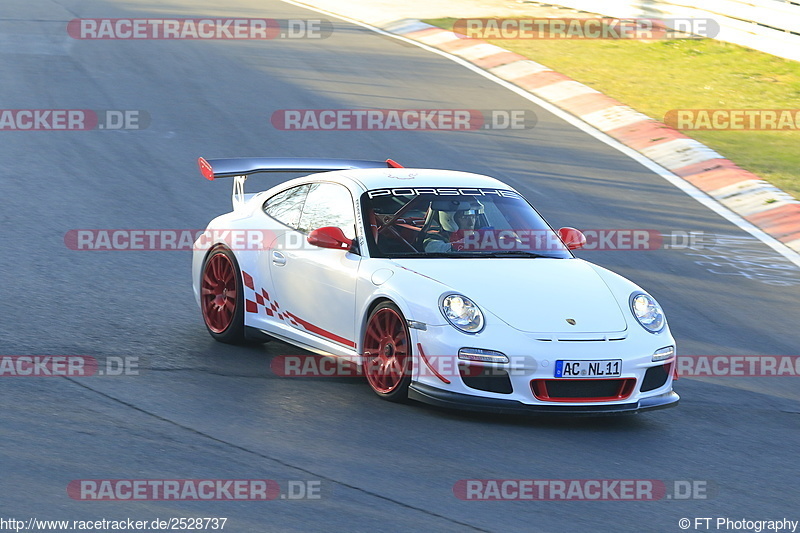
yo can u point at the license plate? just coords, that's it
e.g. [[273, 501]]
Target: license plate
[[604, 368]]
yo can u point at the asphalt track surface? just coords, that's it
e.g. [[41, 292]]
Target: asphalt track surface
[[202, 410]]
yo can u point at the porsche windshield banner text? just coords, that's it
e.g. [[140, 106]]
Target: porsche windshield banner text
[[438, 191]]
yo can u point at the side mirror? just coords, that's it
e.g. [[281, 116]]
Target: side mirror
[[573, 238], [329, 237]]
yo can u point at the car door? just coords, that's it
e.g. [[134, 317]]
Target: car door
[[315, 287]]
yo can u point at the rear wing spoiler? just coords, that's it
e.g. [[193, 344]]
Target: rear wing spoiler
[[244, 166], [241, 168]]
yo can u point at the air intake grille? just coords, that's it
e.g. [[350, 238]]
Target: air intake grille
[[582, 390]]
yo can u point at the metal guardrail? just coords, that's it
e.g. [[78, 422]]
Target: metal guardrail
[[771, 26]]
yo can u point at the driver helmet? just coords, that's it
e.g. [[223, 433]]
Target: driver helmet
[[448, 209]]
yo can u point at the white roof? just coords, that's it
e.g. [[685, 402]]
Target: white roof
[[414, 177]]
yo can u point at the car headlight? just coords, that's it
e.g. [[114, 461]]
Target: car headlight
[[462, 313], [647, 312]]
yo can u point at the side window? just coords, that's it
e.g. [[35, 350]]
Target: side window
[[328, 204], [286, 206]]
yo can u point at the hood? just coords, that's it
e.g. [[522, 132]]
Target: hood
[[531, 295]]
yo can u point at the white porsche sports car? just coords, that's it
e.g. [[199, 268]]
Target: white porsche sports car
[[443, 287]]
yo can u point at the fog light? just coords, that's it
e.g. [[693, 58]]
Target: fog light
[[664, 353], [483, 356]]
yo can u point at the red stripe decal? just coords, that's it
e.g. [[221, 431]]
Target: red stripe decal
[[425, 358], [319, 331]]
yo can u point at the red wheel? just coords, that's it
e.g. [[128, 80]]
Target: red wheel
[[221, 297], [387, 353]]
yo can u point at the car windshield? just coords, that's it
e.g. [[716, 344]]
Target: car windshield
[[456, 222]]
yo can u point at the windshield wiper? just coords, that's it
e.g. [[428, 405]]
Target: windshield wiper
[[472, 255], [520, 253], [400, 255]]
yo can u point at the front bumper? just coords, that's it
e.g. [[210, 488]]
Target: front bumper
[[527, 382], [454, 400]]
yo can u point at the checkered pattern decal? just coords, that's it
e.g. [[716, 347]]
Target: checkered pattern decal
[[255, 300], [260, 299]]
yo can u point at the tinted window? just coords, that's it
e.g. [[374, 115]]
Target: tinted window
[[328, 204], [286, 206], [457, 222]]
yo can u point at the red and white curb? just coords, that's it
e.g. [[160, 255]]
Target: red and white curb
[[758, 202]]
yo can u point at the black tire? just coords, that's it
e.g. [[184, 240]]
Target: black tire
[[222, 297]]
